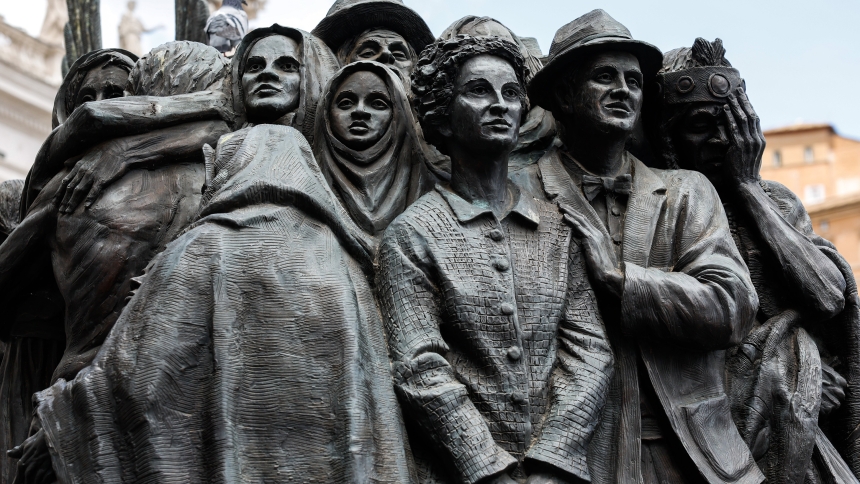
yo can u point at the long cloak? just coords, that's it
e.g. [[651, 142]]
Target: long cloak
[[253, 350], [378, 183]]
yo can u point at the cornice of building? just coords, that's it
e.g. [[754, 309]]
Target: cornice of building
[[836, 206], [30, 55]]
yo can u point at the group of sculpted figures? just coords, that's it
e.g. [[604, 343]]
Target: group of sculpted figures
[[362, 255]]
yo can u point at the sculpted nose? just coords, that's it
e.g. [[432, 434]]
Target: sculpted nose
[[622, 91], [385, 57], [721, 137], [360, 112]]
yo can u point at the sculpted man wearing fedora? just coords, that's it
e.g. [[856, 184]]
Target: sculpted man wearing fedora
[[672, 287], [385, 31]]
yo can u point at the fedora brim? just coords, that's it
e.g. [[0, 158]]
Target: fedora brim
[[341, 26], [541, 87]]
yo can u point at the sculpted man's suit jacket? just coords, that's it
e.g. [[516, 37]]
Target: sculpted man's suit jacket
[[687, 296]]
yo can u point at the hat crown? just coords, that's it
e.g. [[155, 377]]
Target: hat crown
[[593, 25], [345, 4]]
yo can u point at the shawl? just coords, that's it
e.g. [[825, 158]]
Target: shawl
[[318, 64], [376, 184], [253, 350]]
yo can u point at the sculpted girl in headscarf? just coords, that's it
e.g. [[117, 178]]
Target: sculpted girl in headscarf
[[253, 349], [367, 144]]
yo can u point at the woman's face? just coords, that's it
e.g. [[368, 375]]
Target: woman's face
[[271, 79], [102, 83], [361, 111]]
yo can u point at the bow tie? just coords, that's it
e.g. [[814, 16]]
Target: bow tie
[[593, 185]]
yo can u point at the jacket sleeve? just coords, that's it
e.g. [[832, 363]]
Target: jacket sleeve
[[580, 379], [707, 298], [424, 380]]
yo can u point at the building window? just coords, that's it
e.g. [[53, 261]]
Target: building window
[[777, 159], [808, 155], [813, 194]]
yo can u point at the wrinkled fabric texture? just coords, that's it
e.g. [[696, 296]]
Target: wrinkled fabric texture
[[687, 296], [318, 65], [253, 350], [499, 352], [375, 185], [774, 376]]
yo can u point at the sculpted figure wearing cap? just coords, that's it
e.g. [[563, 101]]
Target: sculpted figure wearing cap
[[673, 289], [784, 391], [499, 354], [385, 31]]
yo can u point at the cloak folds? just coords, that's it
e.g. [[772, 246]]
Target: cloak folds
[[376, 184], [253, 350]]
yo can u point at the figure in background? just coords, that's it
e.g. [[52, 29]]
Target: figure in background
[[33, 319], [499, 353], [385, 31], [130, 29], [368, 145], [227, 26], [672, 287], [783, 391], [538, 131], [252, 351]]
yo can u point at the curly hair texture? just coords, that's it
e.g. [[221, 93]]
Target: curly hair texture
[[179, 67], [434, 75], [702, 54]]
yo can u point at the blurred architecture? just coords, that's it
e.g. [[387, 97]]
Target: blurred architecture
[[252, 7], [29, 78], [823, 169]]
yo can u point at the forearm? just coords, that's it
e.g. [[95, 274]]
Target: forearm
[[103, 120], [816, 278], [183, 142]]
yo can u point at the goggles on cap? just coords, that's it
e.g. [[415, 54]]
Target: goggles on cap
[[699, 84]]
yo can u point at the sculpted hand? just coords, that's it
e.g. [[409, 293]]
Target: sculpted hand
[[599, 251], [743, 160], [34, 461], [832, 389], [95, 170]]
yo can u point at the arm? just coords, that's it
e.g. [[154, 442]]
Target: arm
[[423, 378], [109, 161], [580, 380], [817, 280], [707, 299], [97, 121]]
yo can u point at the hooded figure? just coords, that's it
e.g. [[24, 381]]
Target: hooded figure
[[374, 183], [538, 130], [316, 66], [89, 254], [253, 350], [33, 325]]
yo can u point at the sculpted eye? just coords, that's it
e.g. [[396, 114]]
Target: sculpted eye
[[367, 53], [399, 55], [291, 67], [255, 66], [114, 92], [633, 82], [511, 93], [87, 98], [480, 90], [604, 77], [345, 104], [379, 104]]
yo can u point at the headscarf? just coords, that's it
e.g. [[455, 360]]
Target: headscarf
[[376, 184], [64, 104], [318, 64]]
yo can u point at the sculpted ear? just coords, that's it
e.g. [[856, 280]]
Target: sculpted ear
[[563, 96]]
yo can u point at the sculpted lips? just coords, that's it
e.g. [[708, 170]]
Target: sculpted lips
[[618, 106], [359, 127], [266, 89], [498, 124]]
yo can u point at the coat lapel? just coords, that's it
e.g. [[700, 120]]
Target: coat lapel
[[643, 212]]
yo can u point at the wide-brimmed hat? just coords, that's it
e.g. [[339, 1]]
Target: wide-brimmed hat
[[348, 18], [593, 32]]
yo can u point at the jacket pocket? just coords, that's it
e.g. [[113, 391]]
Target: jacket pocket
[[711, 426]]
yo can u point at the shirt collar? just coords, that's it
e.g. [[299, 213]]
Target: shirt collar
[[465, 211]]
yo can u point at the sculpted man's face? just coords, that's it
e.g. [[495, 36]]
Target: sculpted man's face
[[607, 92], [270, 81], [486, 111], [361, 111], [102, 83], [701, 141], [385, 47]]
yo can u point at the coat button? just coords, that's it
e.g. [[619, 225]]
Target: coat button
[[496, 235], [514, 353], [615, 211], [507, 309], [501, 264], [518, 398]]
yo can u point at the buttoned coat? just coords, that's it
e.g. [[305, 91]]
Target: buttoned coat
[[687, 296], [499, 352]]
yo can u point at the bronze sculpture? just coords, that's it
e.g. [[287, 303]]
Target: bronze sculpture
[[368, 145], [329, 298], [501, 371], [706, 123], [674, 289]]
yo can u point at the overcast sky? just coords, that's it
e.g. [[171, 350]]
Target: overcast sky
[[799, 58]]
